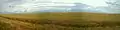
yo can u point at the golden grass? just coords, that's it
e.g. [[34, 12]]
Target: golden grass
[[62, 21]]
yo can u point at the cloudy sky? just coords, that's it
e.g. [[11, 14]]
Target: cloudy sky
[[18, 6]]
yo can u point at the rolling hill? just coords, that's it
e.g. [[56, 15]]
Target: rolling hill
[[59, 21]]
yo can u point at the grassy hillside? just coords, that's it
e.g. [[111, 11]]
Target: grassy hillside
[[60, 21]]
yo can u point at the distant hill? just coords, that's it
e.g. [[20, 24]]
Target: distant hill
[[69, 16]]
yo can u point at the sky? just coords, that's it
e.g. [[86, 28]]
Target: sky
[[19, 6]]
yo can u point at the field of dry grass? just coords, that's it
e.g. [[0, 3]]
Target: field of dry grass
[[60, 21]]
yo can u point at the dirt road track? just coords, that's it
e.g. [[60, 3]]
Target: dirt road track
[[19, 25]]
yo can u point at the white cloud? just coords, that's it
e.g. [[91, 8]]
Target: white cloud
[[35, 5]]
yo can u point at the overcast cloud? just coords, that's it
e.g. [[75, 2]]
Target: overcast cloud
[[19, 6]]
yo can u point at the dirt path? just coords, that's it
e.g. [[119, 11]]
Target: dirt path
[[19, 25]]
